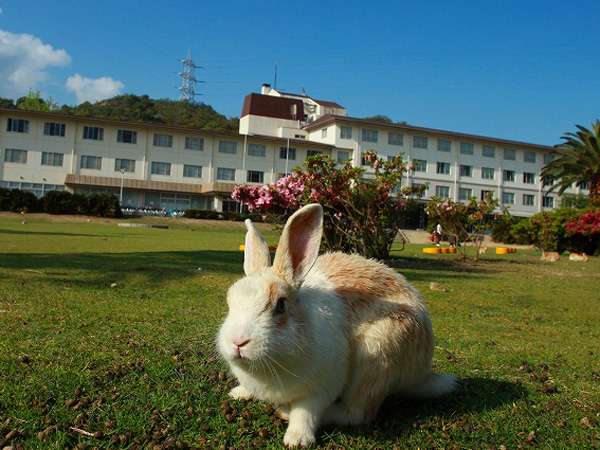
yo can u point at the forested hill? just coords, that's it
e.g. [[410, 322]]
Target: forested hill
[[134, 108], [146, 109]]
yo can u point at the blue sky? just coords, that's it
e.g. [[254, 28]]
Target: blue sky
[[519, 70]]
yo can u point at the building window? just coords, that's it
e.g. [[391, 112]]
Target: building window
[[442, 191], [508, 198], [419, 165], [510, 154], [15, 156], [310, 153], [258, 150], [529, 156], [127, 136], [190, 171], [548, 201], [488, 151], [54, 129], [443, 145], [93, 133], [160, 168], [342, 156], [125, 165], [194, 143], [584, 185], [528, 199], [225, 174], [420, 186], [287, 153], [465, 194], [395, 138], [255, 176], [443, 168], [91, 162], [528, 178], [466, 148], [345, 132], [508, 175], [486, 194], [487, 173], [323, 133], [52, 159], [162, 140], [369, 135], [548, 181], [419, 141], [466, 171], [229, 147], [17, 125], [548, 158]]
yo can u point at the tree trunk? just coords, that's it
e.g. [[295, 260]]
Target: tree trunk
[[595, 192]]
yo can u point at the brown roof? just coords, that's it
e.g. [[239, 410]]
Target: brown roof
[[331, 118], [328, 103], [271, 106], [153, 125], [149, 185]]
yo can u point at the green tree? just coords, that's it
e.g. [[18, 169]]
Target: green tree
[[7, 103], [143, 108], [577, 161], [34, 101]]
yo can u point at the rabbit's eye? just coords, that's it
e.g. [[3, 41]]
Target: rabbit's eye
[[280, 306]]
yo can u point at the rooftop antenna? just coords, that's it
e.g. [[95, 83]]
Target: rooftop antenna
[[275, 78], [188, 79]]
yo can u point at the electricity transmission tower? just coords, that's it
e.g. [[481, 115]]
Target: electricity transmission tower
[[188, 79]]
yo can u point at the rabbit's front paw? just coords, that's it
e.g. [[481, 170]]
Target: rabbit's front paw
[[240, 393], [295, 437]]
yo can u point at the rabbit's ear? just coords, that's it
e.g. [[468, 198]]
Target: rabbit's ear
[[256, 250], [299, 244]]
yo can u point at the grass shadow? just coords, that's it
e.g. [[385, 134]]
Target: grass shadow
[[475, 395], [61, 234], [97, 269]]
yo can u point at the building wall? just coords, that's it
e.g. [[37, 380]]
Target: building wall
[[454, 181], [73, 146]]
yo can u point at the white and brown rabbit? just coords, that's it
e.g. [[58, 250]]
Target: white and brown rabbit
[[326, 338]]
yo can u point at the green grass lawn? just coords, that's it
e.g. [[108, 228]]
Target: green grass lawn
[[111, 330]]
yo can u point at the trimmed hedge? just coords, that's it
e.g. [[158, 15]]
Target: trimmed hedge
[[215, 215], [547, 231], [60, 202]]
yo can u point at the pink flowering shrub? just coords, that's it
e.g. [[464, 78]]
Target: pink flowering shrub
[[463, 222], [362, 212], [583, 232]]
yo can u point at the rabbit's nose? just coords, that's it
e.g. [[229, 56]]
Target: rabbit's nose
[[239, 343]]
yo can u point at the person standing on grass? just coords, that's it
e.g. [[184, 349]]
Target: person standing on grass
[[438, 234]]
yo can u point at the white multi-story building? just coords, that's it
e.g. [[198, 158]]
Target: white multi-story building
[[161, 166]]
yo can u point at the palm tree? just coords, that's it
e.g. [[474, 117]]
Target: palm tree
[[577, 161]]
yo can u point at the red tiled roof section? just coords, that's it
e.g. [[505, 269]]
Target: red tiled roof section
[[271, 106]]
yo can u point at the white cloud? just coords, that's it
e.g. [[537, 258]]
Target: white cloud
[[24, 62], [93, 89]]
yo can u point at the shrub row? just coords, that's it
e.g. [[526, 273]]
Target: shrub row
[[60, 202], [564, 229], [215, 215]]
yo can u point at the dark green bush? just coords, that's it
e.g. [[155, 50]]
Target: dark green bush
[[201, 214], [103, 205], [214, 215], [16, 201], [60, 202]]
